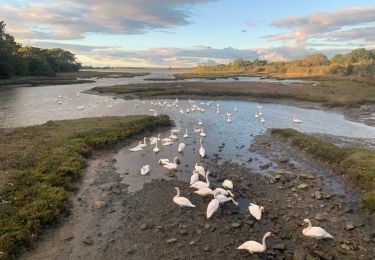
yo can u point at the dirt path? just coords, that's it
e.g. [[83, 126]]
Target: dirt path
[[147, 225]]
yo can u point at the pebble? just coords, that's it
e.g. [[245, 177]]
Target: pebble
[[302, 186], [318, 195], [192, 243], [99, 204], [235, 224], [319, 217], [171, 241], [349, 226], [279, 246], [144, 227], [88, 241], [206, 249]]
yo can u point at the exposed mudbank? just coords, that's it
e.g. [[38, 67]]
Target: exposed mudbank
[[107, 221]]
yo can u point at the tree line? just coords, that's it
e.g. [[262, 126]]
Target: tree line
[[359, 63], [18, 60]]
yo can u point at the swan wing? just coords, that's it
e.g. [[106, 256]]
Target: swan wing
[[204, 191], [199, 185], [252, 246], [255, 211], [194, 178], [183, 202], [212, 207], [317, 232]]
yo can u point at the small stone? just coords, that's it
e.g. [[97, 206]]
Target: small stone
[[277, 176], [302, 186], [192, 243], [207, 226], [236, 224], [318, 195], [88, 241], [334, 220], [171, 241], [306, 176], [345, 246], [144, 226], [99, 204], [349, 226], [279, 246], [319, 217], [206, 249]]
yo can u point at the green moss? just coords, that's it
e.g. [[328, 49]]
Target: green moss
[[42, 164], [356, 164]]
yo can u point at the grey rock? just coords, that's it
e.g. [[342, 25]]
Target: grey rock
[[319, 217], [349, 226], [302, 186], [318, 195], [171, 241], [88, 241], [99, 204]]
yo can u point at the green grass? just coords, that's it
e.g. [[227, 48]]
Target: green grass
[[40, 166], [330, 93], [356, 164], [67, 78]]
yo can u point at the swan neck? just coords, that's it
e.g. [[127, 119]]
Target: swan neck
[[264, 241], [178, 193]]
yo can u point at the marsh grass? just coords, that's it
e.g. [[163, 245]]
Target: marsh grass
[[330, 93], [356, 164], [40, 166]]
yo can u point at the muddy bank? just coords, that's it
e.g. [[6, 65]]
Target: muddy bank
[[109, 222], [300, 95]]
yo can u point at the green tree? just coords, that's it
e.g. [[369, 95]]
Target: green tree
[[8, 49]]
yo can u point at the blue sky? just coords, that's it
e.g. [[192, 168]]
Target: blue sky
[[190, 32]]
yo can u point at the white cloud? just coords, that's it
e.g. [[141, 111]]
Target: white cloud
[[73, 19], [326, 25]]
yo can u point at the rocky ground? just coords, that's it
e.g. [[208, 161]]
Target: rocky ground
[[108, 222]]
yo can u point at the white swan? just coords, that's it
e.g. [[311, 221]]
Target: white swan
[[202, 134], [144, 144], [224, 192], [223, 198], [229, 119], [181, 201], [171, 166], [181, 147], [200, 170], [145, 169], [156, 149], [200, 122], [204, 192], [167, 143], [256, 211], [259, 106], [255, 247], [181, 111], [81, 107], [212, 207], [173, 136], [202, 151], [228, 184], [135, 149], [256, 115], [196, 130], [315, 232], [163, 161], [167, 139], [296, 120], [154, 139], [186, 134], [201, 184], [194, 177], [262, 120]]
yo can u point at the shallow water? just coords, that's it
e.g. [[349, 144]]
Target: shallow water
[[29, 106]]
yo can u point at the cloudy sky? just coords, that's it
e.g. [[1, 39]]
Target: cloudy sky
[[190, 32]]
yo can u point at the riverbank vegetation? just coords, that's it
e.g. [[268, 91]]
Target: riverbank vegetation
[[357, 165], [357, 65], [18, 60], [330, 93], [40, 166]]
